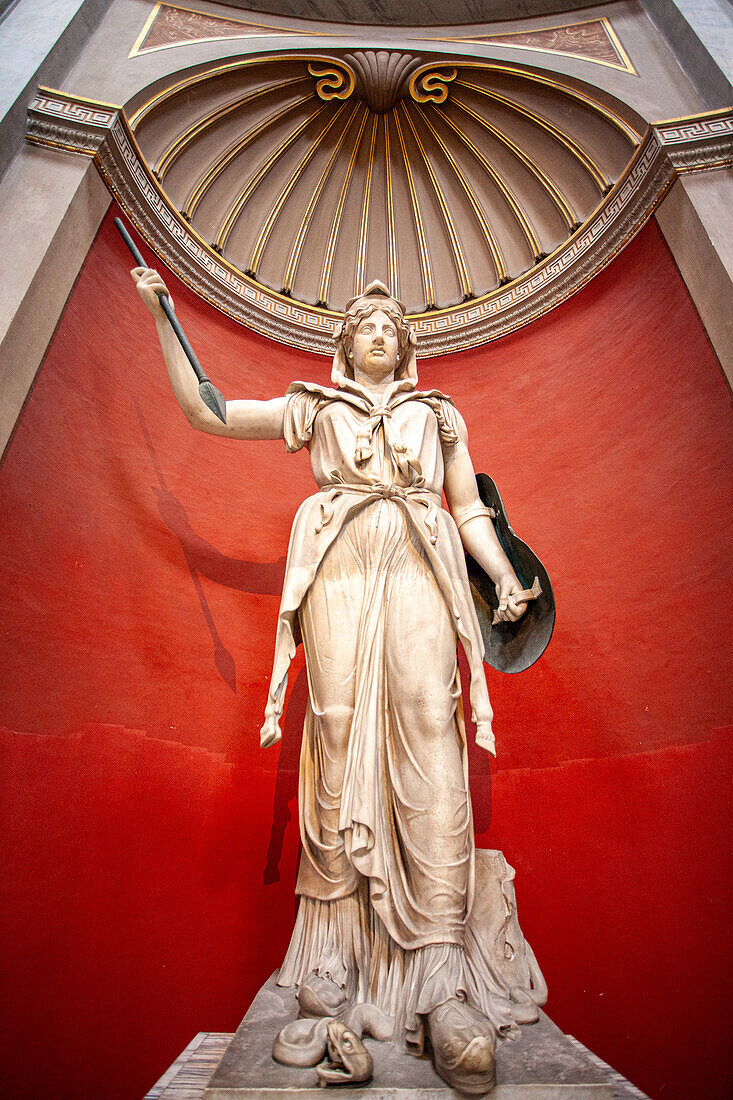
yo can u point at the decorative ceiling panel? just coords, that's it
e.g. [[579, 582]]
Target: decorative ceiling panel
[[481, 192], [588, 40], [171, 25], [446, 181]]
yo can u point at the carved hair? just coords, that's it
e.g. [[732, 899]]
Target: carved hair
[[375, 297], [354, 317]]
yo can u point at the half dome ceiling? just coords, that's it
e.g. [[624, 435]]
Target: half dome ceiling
[[446, 180]]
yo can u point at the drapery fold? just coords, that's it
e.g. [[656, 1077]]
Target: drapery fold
[[376, 587], [496, 971], [383, 781], [427, 428]]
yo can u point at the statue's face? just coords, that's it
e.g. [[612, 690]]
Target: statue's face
[[375, 350]]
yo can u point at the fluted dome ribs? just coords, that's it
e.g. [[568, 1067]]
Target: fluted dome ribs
[[444, 179]]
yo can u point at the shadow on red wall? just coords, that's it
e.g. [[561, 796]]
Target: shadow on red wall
[[152, 845]]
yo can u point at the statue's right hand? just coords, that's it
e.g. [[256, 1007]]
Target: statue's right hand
[[149, 286]]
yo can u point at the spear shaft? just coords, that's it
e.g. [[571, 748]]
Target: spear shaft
[[208, 392]]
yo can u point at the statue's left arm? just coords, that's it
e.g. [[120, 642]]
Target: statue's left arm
[[475, 527]]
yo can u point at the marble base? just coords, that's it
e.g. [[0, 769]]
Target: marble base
[[542, 1065]]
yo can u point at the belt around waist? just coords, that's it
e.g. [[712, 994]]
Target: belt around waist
[[382, 491]]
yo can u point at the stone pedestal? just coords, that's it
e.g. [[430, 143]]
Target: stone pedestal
[[543, 1064]]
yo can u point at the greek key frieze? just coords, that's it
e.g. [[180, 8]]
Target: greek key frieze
[[62, 121], [699, 128]]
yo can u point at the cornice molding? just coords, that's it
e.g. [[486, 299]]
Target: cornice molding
[[101, 131]]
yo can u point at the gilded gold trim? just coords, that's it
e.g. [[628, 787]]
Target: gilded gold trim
[[475, 336], [563, 245], [509, 197], [719, 112], [433, 85], [254, 181], [297, 248], [364, 228], [274, 213], [540, 311], [176, 216], [165, 94], [491, 242], [575, 148], [547, 81], [539, 174], [458, 257], [136, 49], [659, 160], [724, 162], [208, 74], [425, 265], [625, 64], [174, 150], [391, 235], [214, 171], [338, 214], [335, 81], [277, 32], [72, 97]]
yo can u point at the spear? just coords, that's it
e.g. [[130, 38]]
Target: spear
[[208, 393]]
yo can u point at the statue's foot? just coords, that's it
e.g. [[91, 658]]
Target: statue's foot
[[319, 996], [463, 1042]]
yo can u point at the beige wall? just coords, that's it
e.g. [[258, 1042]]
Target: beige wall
[[695, 219]]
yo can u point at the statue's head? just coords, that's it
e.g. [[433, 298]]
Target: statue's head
[[389, 314]]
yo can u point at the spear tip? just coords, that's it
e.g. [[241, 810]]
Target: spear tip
[[213, 399]]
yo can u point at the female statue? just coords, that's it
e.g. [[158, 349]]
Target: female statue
[[376, 588]]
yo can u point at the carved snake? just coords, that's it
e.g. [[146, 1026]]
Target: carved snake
[[335, 1044]]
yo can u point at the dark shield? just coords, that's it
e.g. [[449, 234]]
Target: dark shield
[[511, 647]]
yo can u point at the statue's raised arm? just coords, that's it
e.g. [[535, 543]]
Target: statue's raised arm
[[396, 928], [244, 419]]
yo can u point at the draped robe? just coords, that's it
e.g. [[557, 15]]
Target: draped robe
[[376, 587]]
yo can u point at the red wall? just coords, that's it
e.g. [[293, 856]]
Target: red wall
[[150, 856]]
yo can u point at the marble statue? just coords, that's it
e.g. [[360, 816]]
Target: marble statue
[[396, 912]]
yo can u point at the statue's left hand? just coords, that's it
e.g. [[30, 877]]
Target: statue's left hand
[[270, 733], [509, 609]]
